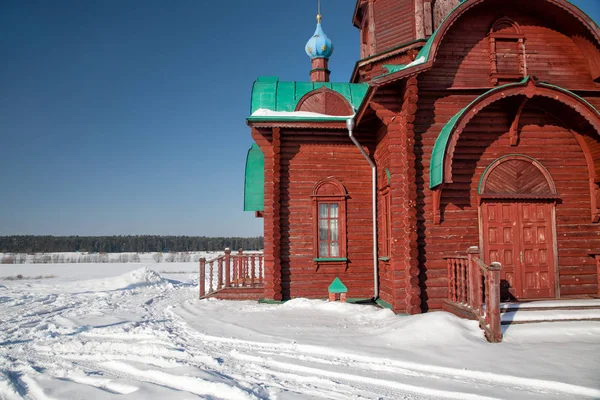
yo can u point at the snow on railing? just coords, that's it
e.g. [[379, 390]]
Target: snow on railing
[[475, 288], [238, 270]]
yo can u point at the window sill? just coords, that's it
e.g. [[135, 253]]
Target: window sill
[[324, 259], [384, 259]]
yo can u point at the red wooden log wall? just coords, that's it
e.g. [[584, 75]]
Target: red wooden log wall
[[306, 158], [394, 23], [463, 62]]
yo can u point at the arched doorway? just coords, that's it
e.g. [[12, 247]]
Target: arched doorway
[[517, 226]]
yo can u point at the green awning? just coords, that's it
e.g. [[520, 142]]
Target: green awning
[[254, 184]]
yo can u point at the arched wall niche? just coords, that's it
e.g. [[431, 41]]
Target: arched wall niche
[[325, 101], [517, 175]]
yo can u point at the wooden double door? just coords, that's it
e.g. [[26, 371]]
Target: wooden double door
[[520, 236]]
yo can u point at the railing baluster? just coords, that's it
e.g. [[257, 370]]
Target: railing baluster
[[202, 277], [220, 273], [252, 269], [211, 266], [261, 269], [242, 275]]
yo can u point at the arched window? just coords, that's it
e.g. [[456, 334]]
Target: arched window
[[329, 220], [508, 61], [385, 205]]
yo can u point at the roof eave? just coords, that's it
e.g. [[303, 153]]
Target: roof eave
[[398, 75], [297, 123]]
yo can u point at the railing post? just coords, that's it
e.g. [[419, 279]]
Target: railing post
[[598, 271], [450, 280], [494, 303], [227, 267], [202, 280], [261, 268], [211, 268], [241, 275], [473, 272], [220, 273]]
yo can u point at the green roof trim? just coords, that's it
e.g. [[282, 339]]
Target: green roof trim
[[291, 118], [436, 169], [272, 94], [394, 67], [337, 287], [254, 183], [330, 259]]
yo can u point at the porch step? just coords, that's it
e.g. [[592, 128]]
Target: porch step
[[247, 293], [550, 311], [579, 304]]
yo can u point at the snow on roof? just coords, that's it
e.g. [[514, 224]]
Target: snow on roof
[[263, 112]]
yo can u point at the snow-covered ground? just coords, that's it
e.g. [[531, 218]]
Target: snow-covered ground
[[131, 331]]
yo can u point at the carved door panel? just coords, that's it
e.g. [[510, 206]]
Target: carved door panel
[[501, 244], [519, 235], [537, 250]]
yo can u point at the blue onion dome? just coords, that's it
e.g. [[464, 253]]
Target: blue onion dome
[[319, 46]]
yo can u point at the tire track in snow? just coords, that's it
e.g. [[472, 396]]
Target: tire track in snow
[[360, 364]]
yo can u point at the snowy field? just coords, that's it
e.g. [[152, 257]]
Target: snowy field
[[137, 331]]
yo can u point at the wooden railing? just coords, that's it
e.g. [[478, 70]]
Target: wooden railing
[[238, 270], [474, 287]]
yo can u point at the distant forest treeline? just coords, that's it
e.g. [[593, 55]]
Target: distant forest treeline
[[120, 244]]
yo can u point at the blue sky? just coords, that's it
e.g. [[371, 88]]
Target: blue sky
[[128, 117]]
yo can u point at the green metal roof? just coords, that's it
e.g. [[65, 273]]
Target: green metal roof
[[436, 171], [271, 94], [254, 184]]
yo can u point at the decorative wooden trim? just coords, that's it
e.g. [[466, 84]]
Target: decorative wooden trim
[[529, 91], [518, 196], [519, 41], [436, 195], [321, 96], [510, 157], [339, 196], [329, 181], [514, 127]]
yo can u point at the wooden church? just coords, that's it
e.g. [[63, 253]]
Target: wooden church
[[460, 164]]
